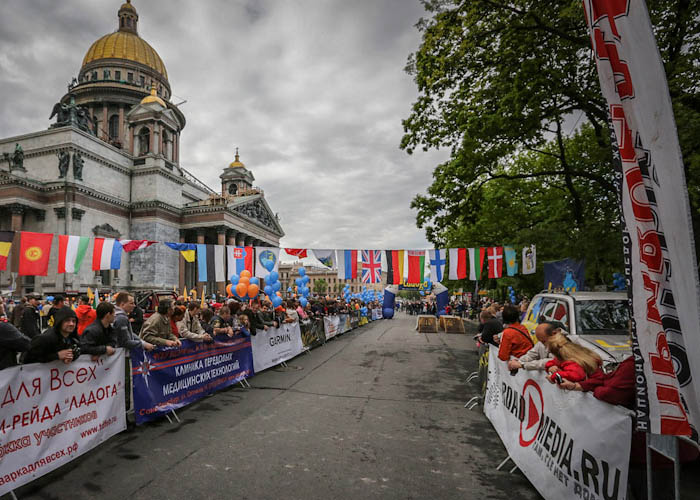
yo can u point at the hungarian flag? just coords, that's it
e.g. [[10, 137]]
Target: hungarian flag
[[476, 262], [106, 254], [297, 252], [239, 259], [495, 262], [347, 264], [394, 267], [131, 245], [5, 245], [416, 266], [71, 251], [34, 252], [458, 263]]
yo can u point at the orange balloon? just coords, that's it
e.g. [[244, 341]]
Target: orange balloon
[[229, 291], [279, 294], [241, 289], [253, 290], [245, 280], [245, 274]]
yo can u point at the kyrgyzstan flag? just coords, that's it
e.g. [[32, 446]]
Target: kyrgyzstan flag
[[34, 252], [416, 266], [394, 267]]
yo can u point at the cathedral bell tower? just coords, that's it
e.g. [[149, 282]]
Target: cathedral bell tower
[[236, 180]]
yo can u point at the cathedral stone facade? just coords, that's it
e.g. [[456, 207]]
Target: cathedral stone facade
[[110, 167]]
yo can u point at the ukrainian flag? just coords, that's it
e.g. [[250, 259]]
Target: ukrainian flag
[[5, 245], [186, 249]]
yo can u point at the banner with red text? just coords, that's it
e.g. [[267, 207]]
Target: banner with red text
[[659, 253], [566, 443], [51, 413]]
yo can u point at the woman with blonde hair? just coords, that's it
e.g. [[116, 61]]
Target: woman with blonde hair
[[571, 361]]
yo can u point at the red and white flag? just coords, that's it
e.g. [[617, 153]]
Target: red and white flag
[[458, 263], [297, 252], [495, 256], [131, 245], [660, 261]]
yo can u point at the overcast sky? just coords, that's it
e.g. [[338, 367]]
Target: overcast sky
[[312, 92]]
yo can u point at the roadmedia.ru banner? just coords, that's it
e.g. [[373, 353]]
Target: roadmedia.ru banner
[[51, 413], [567, 443], [166, 379]]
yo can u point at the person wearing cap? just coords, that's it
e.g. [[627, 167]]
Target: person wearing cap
[[58, 304], [31, 319], [59, 342]]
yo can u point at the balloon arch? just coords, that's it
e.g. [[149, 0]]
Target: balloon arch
[[439, 290]]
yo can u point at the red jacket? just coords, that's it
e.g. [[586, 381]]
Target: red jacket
[[570, 370], [86, 315], [616, 388]]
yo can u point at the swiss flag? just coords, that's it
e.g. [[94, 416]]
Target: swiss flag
[[34, 253]]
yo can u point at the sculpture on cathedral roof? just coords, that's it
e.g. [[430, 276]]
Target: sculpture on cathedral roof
[[72, 114]]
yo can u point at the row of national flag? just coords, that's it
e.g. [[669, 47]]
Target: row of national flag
[[220, 262], [35, 251]]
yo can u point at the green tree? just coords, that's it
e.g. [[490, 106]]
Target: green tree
[[512, 90], [320, 286]]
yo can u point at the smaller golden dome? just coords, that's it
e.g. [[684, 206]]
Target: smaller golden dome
[[237, 163], [127, 5], [153, 98]]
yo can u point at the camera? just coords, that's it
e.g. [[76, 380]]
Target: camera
[[558, 378], [76, 350]]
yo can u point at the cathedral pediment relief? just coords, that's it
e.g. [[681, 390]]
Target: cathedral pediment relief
[[260, 212], [106, 231]]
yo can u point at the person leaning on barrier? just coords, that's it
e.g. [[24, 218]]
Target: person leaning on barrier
[[59, 342], [537, 357], [489, 327], [122, 325], [515, 339], [221, 322], [12, 341], [189, 326], [156, 329], [99, 337]]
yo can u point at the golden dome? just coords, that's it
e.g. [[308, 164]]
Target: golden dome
[[153, 98], [237, 163], [125, 45]]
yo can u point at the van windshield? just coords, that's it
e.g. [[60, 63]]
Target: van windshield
[[607, 317]]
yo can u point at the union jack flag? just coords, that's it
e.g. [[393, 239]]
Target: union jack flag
[[371, 266]]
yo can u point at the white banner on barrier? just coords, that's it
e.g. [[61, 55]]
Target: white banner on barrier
[[343, 323], [567, 444], [275, 345], [330, 326], [51, 413], [376, 314]]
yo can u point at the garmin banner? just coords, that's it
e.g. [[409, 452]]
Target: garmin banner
[[274, 345], [330, 325], [51, 413], [168, 378], [567, 443], [657, 233]]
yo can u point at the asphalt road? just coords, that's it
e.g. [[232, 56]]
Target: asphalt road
[[376, 413]]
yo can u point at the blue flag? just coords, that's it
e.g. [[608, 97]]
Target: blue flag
[[511, 261]]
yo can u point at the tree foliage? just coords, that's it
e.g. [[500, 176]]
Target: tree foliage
[[511, 89]]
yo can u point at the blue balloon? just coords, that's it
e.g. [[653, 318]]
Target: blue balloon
[[305, 279], [421, 292], [268, 290], [254, 281], [276, 286], [268, 264], [303, 301], [235, 279], [302, 272], [274, 276], [276, 301], [298, 281], [289, 290]]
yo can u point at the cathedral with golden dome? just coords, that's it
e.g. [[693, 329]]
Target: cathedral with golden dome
[[109, 166]]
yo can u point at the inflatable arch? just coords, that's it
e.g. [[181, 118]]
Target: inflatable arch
[[442, 298]]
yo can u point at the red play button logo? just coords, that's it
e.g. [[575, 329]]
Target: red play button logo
[[533, 408]]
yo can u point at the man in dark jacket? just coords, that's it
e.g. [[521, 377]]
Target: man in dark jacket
[[58, 304], [58, 342], [123, 326], [17, 312], [12, 341], [100, 338], [256, 318], [31, 320]]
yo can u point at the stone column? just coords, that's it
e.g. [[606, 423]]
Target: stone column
[[231, 237], [151, 136], [17, 212], [105, 125], [248, 241], [221, 240], [121, 137], [181, 264], [240, 239], [131, 140], [200, 240]]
